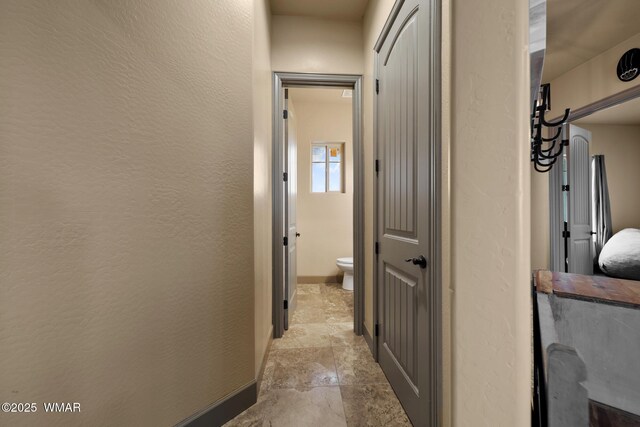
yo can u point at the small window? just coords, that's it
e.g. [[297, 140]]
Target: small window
[[327, 168]]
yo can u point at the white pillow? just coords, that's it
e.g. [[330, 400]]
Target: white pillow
[[620, 256]]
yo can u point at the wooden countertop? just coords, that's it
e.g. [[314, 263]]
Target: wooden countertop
[[593, 288]]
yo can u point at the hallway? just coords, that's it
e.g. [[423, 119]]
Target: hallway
[[320, 373], [139, 263]]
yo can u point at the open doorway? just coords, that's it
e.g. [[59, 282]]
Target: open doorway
[[318, 238], [596, 184], [320, 234]]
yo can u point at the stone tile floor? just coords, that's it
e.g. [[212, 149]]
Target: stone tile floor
[[321, 374]]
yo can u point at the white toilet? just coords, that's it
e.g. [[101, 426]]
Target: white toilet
[[346, 265]]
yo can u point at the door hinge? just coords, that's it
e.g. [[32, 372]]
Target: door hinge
[[377, 166], [285, 176], [376, 330], [285, 241], [286, 305], [565, 188], [377, 248], [285, 114], [377, 86], [566, 234]]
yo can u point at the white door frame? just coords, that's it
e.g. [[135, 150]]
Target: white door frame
[[354, 82], [435, 248]]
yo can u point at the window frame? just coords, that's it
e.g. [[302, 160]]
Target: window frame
[[327, 162]]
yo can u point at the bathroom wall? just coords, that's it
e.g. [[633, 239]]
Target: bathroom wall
[[621, 148], [262, 194], [126, 208], [325, 220]]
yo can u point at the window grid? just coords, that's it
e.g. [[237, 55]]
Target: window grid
[[327, 162]]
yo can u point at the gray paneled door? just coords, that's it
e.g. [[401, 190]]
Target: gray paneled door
[[580, 246], [290, 208], [404, 187]]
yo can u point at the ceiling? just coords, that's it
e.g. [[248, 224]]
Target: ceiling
[[627, 113], [344, 10], [318, 95], [578, 30]]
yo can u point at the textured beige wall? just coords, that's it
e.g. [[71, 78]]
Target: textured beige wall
[[126, 257], [621, 148], [588, 83], [325, 220], [262, 199], [313, 45], [490, 194]]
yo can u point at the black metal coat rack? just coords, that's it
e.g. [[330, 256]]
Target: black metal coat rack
[[545, 151]]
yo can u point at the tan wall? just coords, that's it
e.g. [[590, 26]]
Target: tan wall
[[588, 83], [126, 208], [621, 148], [262, 199], [325, 220], [490, 194], [313, 45]]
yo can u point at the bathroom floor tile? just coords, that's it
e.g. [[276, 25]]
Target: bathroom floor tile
[[311, 301], [372, 405], [336, 297], [304, 367], [304, 289], [348, 299], [310, 308], [334, 288], [336, 304]]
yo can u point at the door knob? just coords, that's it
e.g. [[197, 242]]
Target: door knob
[[297, 234], [421, 261]]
